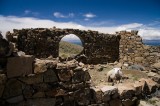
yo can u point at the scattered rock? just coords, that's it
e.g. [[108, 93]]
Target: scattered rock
[[136, 67]]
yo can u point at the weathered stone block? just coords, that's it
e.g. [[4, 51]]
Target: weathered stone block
[[97, 95], [16, 99], [39, 95], [50, 76], [151, 84], [19, 66], [32, 79], [126, 91], [13, 88], [28, 91], [139, 59], [3, 78], [56, 92], [107, 91], [1, 89], [81, 76], [115, 102], [82, 96], [39, 102], [65, 75], [41, 66]]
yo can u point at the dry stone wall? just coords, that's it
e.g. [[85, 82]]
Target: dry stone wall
[[133, 51], [42, 42], [53, 83], [27, 81]]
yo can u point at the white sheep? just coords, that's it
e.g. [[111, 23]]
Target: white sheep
[[114, 75]]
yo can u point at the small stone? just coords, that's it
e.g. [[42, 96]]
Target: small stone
[[80, 76], [61, 66], [56, 92], [38, 102], [13, 88], [28, 91], [115, 102], [1, 89], [65, 75], [50, 76], [127, 102], [37, 78], [82, 96], [16, 99], [139, 59], [3, 78], [156, 65], [39, 95]]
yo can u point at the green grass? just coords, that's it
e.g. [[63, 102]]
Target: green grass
[[67, 49]]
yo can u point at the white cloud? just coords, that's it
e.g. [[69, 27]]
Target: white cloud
[[70, 37], [28, 12], [60, 15], [8, 23], [89, 15]]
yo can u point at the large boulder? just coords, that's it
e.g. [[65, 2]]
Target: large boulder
[[108, 92], [126, 90]]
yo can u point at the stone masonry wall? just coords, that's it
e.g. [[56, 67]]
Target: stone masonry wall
[[48, 82], [133, 51], [29, 81], [42, 42]]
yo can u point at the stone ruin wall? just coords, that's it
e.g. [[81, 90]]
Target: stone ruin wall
[[49, 82], [41, 42], [29, 81], [125, 47], [133, 51]]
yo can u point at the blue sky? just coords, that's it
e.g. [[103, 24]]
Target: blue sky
[[106, 16]]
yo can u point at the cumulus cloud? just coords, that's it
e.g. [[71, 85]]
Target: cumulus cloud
[[8, 23], [89, 15], [60, 15]]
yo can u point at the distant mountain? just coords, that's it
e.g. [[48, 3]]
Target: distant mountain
[[67, 49], [152, 42]]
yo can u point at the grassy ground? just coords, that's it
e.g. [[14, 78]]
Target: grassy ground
[[99, 77], [67, 49]]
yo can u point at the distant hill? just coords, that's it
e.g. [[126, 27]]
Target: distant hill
[[67, 49], [152, 42]]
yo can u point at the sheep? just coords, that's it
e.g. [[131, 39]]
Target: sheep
[[114, 75]]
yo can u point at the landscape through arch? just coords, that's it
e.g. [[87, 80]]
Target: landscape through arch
[[70, 46]]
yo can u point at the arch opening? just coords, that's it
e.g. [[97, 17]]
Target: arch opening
[[70, 46]]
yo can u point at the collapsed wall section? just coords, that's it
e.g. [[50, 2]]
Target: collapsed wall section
[[133, 51]]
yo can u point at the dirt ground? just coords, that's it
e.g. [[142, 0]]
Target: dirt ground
[[99, 75]]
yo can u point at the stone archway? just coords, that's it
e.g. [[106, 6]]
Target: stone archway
[[70, 46], [44, 42]]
